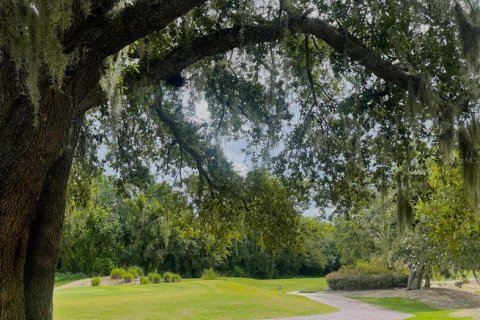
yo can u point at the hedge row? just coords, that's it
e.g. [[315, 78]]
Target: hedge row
[[338, 281]]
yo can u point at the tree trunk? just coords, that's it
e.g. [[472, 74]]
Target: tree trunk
[[33, 169], [428, 278], [45, 234], [415, 279], [27, 152]]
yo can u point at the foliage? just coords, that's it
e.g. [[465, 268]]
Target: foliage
[[171, 277], [157, 228], [127, 277], [345, 281], [366, 276], [447, 224], [91, 229], [65, 277], [363, 268], [154, 277], [314, 254], [136, 271], [369, 234], [117, 273], [41, 43], [352, 136], [95, 281], [209, 274], [144, 280]]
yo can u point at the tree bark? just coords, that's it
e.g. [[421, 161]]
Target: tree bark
[[26, 153], [31, 143], [415, 279], [45, 234]]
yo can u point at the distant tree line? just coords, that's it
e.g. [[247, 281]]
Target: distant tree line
[[162, 229]]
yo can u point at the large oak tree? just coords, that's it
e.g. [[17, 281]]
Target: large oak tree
[[53, 55]]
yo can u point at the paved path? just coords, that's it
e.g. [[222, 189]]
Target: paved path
[[349, 309]]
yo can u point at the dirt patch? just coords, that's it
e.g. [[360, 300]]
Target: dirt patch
[[440, 298], [471, 286], [105, 281], [473, 313]]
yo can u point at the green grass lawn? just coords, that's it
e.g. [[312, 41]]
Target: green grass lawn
[[420, 310], [286, 285], [190, 299]]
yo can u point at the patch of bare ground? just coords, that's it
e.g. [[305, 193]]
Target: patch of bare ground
[[105, 281], [471, 286], [440, 298], [473, 313]]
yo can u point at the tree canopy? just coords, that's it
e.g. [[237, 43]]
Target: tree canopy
[[342, 100]]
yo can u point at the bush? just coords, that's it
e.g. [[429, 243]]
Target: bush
[[209, 274], [117, 273], [95, 281], [366, 276], [136, 271], [127, 277], [154, 277], [237, 271], [364, 268], [144, 280], [171, 277], [342, 281], [167, 277]]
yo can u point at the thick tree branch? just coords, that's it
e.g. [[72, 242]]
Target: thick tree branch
[[180, 139], [153, 71], [103, 36], [157, 70], [347, 44]]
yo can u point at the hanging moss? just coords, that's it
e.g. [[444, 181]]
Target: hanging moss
[[445, 139], [32, 33], [469, 34], [111, 84], [468, 143], [405, 212]]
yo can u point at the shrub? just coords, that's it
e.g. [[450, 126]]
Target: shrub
[[342, 281], [209, 274], [117, 273], [366, 276], [144, 280], [136, 271], [171, 277], [127, 277], [95, 281], [237, 271], [364, 268], [154, 277]]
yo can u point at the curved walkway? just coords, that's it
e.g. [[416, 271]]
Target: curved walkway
[[349, 309]]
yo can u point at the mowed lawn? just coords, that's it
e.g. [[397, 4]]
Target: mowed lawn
[[190, 299], [419, 310]]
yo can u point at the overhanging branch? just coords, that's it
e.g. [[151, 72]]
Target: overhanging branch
[[102, 36], [180, 139], [156, 70], [153, 71]]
